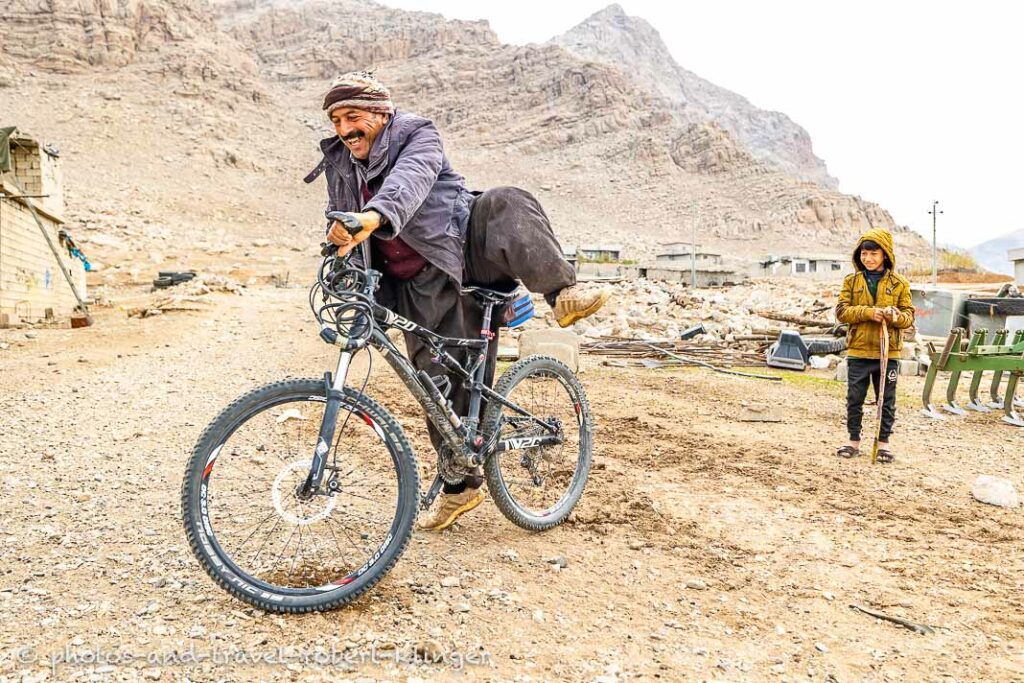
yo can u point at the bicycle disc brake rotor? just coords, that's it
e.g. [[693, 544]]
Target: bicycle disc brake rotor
[[283, 495]]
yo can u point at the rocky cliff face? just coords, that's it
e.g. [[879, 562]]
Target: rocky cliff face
[[67, 35], [322, 38], [161, 37], [633, 45], [153, 94]]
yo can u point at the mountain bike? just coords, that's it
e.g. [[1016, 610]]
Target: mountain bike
[[301, 494]]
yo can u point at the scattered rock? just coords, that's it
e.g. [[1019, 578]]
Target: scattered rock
[[559, 561], [995, 491], [696, 584], [430, 650], [451, 582]]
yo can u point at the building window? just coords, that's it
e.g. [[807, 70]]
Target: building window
[[799, 267], [837, 266]]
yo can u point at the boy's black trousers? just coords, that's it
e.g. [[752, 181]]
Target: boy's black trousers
[[862, 373]]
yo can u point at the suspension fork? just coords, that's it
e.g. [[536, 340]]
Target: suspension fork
[[334, 388]]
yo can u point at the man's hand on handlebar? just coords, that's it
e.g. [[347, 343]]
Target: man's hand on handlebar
[[349, 229]]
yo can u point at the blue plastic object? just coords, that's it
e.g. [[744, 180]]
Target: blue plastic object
[[518, 311]]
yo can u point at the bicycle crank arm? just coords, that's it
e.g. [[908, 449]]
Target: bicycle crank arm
[[435, 488], [528, 442]]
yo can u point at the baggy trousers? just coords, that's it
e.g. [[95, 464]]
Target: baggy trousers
[[509, 238], [863, 372]]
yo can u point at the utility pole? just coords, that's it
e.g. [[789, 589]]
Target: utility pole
[[693, 245], [935, 259]]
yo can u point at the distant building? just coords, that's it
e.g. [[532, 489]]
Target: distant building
[[706, 277], [678, 253], [811, 266], [32, 286], [600, 252], [1017, 256]]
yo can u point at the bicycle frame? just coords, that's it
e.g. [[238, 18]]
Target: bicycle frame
[[461, 434]]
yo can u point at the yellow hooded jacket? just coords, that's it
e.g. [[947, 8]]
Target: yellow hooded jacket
[[856, 305]]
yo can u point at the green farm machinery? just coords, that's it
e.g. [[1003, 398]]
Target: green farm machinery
[[974, 355]]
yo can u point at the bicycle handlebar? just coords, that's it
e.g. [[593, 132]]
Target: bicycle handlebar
[[348, 221]]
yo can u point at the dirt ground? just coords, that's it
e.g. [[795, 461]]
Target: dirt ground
[[704, 548]]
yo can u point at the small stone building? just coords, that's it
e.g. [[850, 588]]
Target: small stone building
[[32, 284], [679, 254], [811, 266], [715, 276], [605, 253]]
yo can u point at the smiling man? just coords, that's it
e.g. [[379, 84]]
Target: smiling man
[[429, 235]]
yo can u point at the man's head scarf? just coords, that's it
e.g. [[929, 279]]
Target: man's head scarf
[[361, 90]]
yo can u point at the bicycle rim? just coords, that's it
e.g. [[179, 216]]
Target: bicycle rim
[[272, 540], [544, 482]]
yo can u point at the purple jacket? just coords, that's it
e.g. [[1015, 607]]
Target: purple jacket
[[413, 187]]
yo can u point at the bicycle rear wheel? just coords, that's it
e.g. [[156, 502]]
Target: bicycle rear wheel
[[263, 542], [537, 487]]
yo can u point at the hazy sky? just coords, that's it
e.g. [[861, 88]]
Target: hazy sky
[[905, 101]]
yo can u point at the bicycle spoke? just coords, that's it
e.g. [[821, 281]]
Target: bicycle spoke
[[356, 495], [256, 528], [260, 549], [335, 536], [285, 547], [298, 547], [344, 532]]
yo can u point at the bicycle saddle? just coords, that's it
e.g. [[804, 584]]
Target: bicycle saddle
[[492, 295]]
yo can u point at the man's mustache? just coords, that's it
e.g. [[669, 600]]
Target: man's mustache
[[354, 135]]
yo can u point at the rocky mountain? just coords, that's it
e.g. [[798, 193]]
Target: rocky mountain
[[187, 126], [992, 253], [633, 45]]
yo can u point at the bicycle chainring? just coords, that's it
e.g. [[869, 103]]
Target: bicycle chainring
[[450, 471]]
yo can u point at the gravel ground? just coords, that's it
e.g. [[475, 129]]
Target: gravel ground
[[705, 548]]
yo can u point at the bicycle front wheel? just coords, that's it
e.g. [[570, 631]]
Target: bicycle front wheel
[[536, 487], [264, 542]]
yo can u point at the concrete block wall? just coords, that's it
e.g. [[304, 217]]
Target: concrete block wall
[[32, 285], [39, 173]]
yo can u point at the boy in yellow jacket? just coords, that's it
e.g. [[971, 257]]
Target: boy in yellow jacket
[[873, 293]]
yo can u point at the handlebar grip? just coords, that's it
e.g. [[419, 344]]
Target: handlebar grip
[[328, 249], [351, 223]]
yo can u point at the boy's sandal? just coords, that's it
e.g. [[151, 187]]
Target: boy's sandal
[[848, 452], [885, 457]]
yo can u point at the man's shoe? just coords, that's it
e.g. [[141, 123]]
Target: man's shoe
[[574, 304], [448, 507]]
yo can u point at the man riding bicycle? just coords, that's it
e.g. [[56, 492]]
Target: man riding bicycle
[[429, 235]]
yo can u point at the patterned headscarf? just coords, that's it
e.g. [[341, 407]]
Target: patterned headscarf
[[361, 90]]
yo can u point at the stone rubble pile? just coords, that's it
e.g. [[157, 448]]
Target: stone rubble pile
[[654, 310]]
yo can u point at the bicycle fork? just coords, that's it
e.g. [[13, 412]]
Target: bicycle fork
[[333, 387]]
